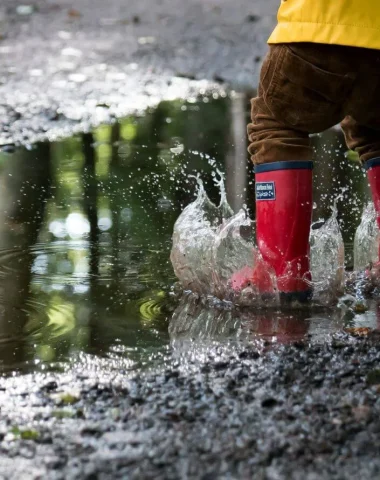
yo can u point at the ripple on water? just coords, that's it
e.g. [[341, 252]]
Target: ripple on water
[[53, 309]]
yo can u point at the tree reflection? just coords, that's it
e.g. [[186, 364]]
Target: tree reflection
[[24, 188]]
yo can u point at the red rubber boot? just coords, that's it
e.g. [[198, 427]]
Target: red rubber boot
[[373, 172], [283, 219]]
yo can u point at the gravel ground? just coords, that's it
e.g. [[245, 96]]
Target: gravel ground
[[66, 65], [293, 412]]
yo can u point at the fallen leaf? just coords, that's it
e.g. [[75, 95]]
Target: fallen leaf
[[67, 398], [373, 377], [358, 331], [63, 414], [361, 413], [25, 434], [360, 308], [72, 13]]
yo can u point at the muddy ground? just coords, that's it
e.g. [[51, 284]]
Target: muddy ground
[[301, 412], [66, 65]]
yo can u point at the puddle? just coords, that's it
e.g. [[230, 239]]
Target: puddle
[[85, 237]]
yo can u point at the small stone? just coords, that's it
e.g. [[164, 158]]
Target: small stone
[[146, 40], [249, 354], [68, 398], [361, 413], [24, 10], [252, 18], [220, 366], [73, 13], [268, 402], [373, 377], [10, 148], [125, 437], [50, 386], [218, 78], [318, 379], [91, 431]]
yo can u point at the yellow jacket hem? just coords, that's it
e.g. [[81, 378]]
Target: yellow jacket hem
[[336, 34]]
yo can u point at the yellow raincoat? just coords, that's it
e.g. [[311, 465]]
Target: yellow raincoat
[[342, 22]]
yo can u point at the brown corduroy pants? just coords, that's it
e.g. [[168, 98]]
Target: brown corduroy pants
[[306, 88]]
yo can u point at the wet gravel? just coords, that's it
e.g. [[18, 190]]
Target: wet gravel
[[291, 412], [65, 65]]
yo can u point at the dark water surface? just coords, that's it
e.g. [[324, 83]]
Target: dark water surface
[[85, 237]]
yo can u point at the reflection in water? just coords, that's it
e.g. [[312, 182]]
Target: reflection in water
[[85, 236], [195, 322], [24, 188]]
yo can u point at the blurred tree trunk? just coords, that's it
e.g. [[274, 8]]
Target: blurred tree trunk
[[236, 158], [90, 190]]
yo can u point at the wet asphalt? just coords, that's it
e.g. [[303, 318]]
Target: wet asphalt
[[66, 66]]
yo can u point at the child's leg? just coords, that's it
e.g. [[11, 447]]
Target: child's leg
[[366, 142], [302, 90], [295, 97], [271, 140]]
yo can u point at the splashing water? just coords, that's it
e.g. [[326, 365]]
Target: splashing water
[[195, 231], [365, 280], [327, 260], [230, 253], [209, 248], [366, 242]]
